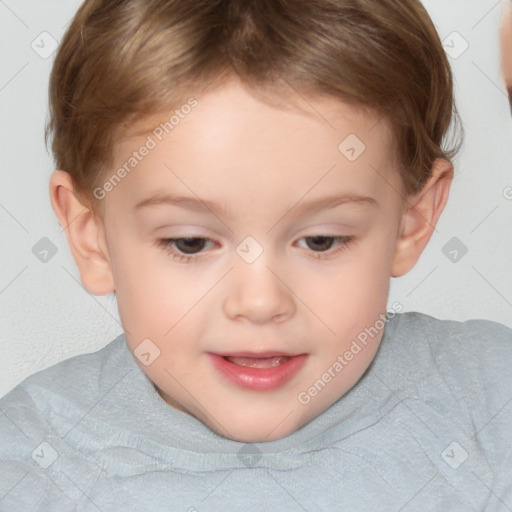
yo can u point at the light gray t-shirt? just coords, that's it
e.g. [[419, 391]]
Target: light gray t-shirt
[[427, 428]]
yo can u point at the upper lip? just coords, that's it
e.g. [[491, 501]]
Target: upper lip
[[255, 355]]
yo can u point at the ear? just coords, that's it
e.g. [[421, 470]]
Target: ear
[[420, 217], [85, 234]]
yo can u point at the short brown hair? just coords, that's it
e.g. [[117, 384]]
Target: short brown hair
[[122, 60]]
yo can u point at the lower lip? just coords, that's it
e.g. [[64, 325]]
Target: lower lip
[[259, 379]]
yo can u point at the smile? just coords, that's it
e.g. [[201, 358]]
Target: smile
[[258, 362], [266, 372]]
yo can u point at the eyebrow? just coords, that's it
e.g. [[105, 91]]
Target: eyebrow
[[197, 204]]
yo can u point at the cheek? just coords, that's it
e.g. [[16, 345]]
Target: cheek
[[365, 271], [359, 291], [144, 291], [156, 296], [345, 300]]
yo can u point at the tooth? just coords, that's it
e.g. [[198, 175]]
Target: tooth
[[263, 362]]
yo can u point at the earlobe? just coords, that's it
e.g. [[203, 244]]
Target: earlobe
[[421, 216], [85, 234]]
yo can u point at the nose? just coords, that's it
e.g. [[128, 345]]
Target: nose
[[256, 294]]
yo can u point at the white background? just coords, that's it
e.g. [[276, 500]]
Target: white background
[[46, 315]]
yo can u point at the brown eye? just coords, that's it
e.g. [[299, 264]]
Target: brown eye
[[325, 246], [319, 243], [190, 245]]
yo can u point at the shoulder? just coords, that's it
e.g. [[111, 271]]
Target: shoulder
[[462, 373], [473, 345], [463, 363], [37, 413], [76, 380], [79, 375], [84, 373]]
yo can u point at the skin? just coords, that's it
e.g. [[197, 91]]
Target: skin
[[506, 48], [258, 163]]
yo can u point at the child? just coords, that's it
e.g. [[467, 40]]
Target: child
[[246, 177]]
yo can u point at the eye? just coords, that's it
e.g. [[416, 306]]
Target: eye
[[184, 249], [324, 243], [319, 243], [189, 245]]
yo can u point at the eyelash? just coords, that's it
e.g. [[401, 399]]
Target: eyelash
[[167, 245], [345, 242]]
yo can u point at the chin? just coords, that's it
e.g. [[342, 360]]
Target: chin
[[247, 429], [255, 434]]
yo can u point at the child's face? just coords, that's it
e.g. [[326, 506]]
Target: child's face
[[248, 169]]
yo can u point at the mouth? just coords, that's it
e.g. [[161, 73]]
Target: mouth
[[258, 359], [262, 371]]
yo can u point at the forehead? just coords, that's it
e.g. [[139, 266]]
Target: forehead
[[236, 138], [231, 103]]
